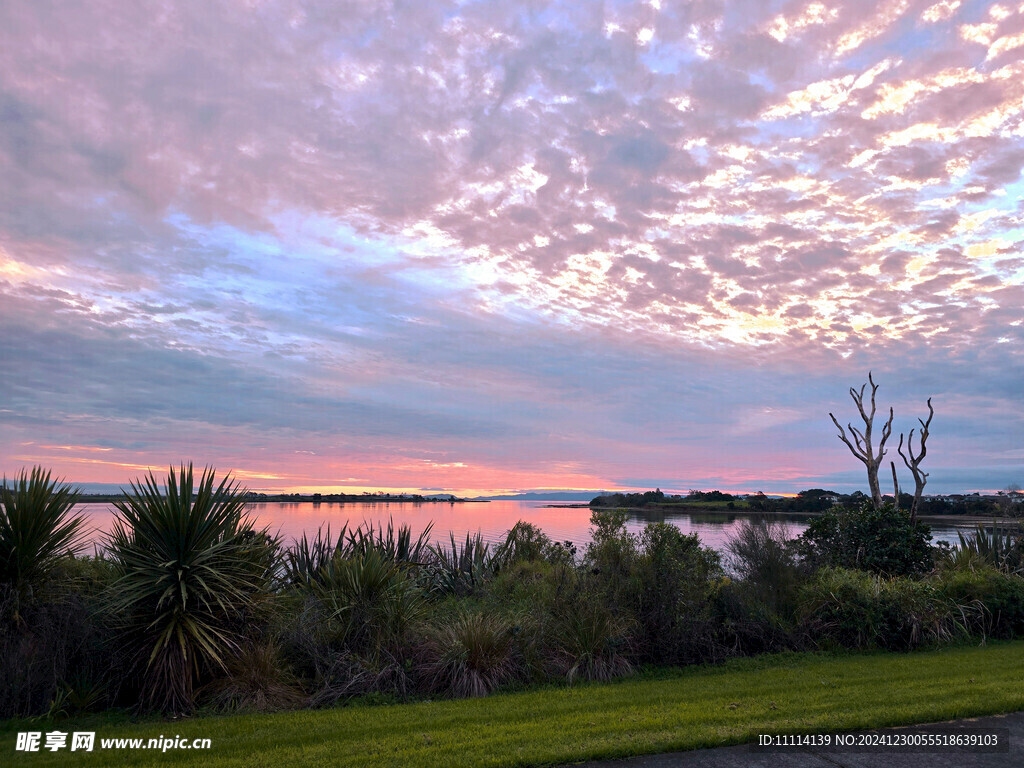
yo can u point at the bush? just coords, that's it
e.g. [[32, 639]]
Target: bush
[[761, 554], [860, 610], [881, 541], [371, 602], [1001, 594], [675, 576], [460, 570], [590, 643], [999, 546], [610, 558], [258, 679]]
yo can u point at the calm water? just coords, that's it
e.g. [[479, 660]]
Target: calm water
[[492, 519]]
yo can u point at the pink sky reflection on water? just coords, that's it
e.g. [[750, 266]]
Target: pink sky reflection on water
[[492, 519]]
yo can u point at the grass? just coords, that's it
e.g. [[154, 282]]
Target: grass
[[665, 711]]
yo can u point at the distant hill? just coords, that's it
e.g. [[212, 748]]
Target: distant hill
[[545, 496]]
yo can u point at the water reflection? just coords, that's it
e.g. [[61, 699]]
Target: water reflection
[[491, 519]]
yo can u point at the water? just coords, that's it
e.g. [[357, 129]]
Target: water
[[492, 519]]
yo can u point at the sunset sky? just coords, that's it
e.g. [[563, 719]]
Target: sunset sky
[[496, 246]]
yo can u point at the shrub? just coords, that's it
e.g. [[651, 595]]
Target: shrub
[[882, 541], [371, 601], [610, 558], [526, 542], [859, 610], [760, 553], [190, 574], [460, 570], [999, 546], [675, 577], [1001, 594], [56, 651], [746, 624]]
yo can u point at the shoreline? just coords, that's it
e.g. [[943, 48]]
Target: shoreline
[[695, 509]]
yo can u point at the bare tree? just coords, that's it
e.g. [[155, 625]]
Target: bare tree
[[863, 449], [914, 462]]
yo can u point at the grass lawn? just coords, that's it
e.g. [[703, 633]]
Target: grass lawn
[[674, 710]]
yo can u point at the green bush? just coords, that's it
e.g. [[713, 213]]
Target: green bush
[[882, 541], [371, 601], [610, 559], [860, 610], [1000, 546], [590, 642], [1001, 594], [675, 577], [760, 553]]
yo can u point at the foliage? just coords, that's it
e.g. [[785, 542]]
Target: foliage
[[471, 655], [305, 562], [591, 643], [858, 610], [37, 529], [191, 570], [880, 540], [1001, 594], [610, 557], [257, 679], [760, 553], [371, 601], [675, 577], [461, 569], [999, 546], [391, 543]]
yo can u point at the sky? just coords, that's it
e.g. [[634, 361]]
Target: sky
[[481, 247]]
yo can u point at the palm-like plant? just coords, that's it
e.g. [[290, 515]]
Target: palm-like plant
[[191, 569], [37, 528]]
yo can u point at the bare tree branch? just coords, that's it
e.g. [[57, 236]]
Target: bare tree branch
[[914, 462]]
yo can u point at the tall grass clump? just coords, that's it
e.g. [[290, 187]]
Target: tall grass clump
[[192, 570], [471, 655]]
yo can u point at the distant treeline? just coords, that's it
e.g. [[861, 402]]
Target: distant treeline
[[374, 497], [305, 497], [814, 500]]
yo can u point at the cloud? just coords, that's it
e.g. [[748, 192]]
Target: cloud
[[463, 224]]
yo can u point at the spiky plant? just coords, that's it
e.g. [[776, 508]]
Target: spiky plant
[[371, 600], [391, 543], [191, 570], [461, 569], [37, 529], [306, 560], [1000, 546]]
